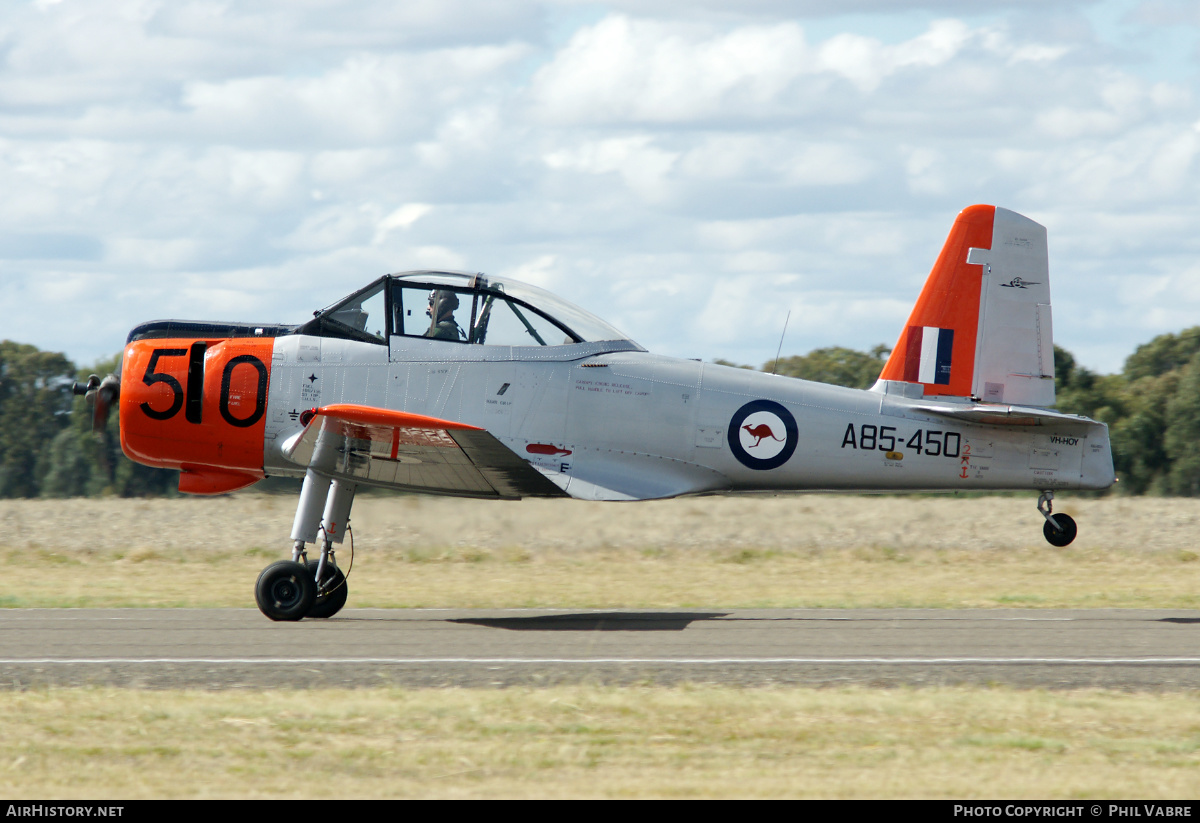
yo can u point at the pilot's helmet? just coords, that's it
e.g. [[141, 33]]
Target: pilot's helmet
[[443, 300]]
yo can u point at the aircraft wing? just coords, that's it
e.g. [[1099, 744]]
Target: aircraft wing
[[398, 450]]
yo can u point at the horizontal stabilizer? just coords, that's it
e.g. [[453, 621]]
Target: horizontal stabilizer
[[398, 450], [998, 414]]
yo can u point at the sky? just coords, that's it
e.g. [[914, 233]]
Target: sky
[[697, 173]]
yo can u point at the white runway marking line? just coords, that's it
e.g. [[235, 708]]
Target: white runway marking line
[[687, 661]]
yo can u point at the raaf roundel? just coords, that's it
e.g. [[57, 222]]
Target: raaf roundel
[[460, 384]]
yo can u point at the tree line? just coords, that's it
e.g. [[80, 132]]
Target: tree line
[[1152, 408], [47, 447]]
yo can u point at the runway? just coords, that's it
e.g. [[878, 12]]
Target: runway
[[239, 648]]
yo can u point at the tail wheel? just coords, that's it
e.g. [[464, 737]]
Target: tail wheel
[[285, 591], [1060, 538]]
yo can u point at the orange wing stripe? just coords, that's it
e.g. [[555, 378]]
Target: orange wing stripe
[[371, 416]]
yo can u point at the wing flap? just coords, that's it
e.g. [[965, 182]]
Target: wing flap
[[399, 450]]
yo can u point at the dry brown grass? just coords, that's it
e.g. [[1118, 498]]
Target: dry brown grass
[[833, 551], [580, 741]]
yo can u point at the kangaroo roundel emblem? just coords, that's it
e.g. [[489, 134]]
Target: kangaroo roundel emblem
[[762, 435]]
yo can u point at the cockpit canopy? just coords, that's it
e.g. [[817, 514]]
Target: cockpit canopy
[[460, 308]]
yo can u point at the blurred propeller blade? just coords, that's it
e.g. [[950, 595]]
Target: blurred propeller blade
[[101, 396], [106, 398]]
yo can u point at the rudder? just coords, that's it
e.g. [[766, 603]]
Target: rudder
[[981, 327]]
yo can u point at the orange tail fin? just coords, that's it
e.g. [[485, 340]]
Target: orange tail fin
[[981, 327]]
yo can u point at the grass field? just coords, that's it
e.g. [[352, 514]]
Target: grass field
[[719, 552], [581, 741], [598, 741]]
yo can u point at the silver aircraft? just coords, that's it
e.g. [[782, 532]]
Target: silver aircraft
[[461, 384]]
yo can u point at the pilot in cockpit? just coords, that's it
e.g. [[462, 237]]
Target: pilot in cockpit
[[442, 325]]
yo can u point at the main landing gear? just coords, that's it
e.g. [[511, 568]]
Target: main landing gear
[[300, 587], [1059, 529]]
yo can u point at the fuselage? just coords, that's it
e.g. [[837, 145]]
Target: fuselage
[[602, 420]]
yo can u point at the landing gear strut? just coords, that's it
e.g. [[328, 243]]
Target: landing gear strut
[[297, 588], [1059, 529], [331, 589]]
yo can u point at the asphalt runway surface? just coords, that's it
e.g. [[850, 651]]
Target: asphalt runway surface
[[239, 648]]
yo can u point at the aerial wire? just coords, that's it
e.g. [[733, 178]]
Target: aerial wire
[[780, 349]]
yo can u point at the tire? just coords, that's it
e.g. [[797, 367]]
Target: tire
[[285, 591], [329, 603], [1064, 537]]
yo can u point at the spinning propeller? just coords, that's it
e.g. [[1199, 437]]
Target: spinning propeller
[[101, 397]]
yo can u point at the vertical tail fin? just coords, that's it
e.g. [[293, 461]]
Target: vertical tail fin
[[981, 327]]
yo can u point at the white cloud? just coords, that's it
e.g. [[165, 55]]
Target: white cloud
[[668, 166], [544, 271], [624, 69], [367, 100], [437, 258], [629, 70], [401, 218], [334, 228], [865, 62], [641, 165], [788, 159]]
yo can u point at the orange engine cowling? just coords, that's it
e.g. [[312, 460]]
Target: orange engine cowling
[[199, 406]]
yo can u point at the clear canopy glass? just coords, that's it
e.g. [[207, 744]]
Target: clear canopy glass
[[579, 325], [460, 307]]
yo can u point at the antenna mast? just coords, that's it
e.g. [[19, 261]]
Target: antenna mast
[[780, 349]]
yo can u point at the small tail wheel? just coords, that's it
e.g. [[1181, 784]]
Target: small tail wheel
[[1060, 538], [285, 590], [331, 591]]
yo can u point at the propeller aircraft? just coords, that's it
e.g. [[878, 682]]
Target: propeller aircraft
[[460, 384]]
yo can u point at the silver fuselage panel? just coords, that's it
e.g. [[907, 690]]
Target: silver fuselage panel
[[609, 421]]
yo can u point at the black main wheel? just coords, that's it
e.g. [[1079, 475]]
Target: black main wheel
[[331, 592], [1064, 537], [285, 591]]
